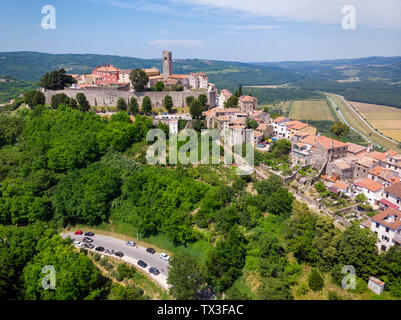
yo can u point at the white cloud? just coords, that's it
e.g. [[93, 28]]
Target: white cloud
[[372, 13], [176, 42]]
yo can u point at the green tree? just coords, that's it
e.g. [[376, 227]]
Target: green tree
[[281, 147], [361, 198], [357, 247], [315, 281], [146, 105], [185, 276], [231, 102], [225, 262], [56, 80], [72, 103], [34, 98], [195, 109], [168, 103], [203, 100], [159, 86], [251, 124], [274, 289], [133, 107], [59, 99], [83, 104], [268, 186], [76, 276], [189, 99], [320, 187], [280, 202], [84, 196], [339, 129], [139, 79], [121, 104], [390, 270]]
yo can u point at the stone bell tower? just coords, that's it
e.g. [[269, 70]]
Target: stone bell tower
[[167, 64]]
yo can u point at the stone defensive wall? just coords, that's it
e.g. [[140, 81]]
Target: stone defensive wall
[[109, 96]]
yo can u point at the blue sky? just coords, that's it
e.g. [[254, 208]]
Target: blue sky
[[237, 30]]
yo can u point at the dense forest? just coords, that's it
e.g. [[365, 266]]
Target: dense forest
[[61, 167]]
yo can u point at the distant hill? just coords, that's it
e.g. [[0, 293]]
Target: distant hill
[[31, 66], [374, 80]]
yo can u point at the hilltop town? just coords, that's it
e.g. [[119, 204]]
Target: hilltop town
[[352, 175]]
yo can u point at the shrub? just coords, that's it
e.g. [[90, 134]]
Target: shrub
[[302, 289], [315, 281], [96, 256], [116, 275], [126, 271], [334, 296]]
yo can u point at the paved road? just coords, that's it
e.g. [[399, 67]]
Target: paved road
[[131, 255], [347, 123], [365, 122]]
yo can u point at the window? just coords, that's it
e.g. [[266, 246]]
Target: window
[[377, 225], [387, 229]]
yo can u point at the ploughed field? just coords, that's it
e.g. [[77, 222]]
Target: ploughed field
[[387, 120]]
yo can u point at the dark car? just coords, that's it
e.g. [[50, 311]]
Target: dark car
[[142, 264], [101, 249], [89, 234], [87, 240], [119, 254], [154, 270], [89, 245], [151, 250]]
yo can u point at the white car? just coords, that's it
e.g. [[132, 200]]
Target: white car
[[165, 256], [78, 244]]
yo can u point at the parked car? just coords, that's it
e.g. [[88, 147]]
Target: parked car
[[131, 243], [110, 251], [101, 249], [151, 250], [154, 270], [87, 240], [78, 244], [142, 264], [89, 234], [165, 256], [89, 245], [78, 232], [119, 254]]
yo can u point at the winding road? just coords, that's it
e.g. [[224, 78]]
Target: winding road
[[131, 255]]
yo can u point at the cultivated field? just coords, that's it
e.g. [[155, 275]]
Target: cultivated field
[[386, 120], [311, 110], [357, 123]]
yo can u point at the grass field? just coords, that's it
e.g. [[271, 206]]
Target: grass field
[[386, 120], [355, 122], [311, 110]]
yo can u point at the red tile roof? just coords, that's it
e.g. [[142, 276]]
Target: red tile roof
[[340, 185], [279, 119], [390, 218], [247, 99], [376, 155], [330, 143], [368, 184], [394, 189], [389, 204], [355, 148]]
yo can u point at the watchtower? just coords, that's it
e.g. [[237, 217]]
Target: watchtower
[[167, 64]]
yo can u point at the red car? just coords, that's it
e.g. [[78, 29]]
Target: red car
[[78, 232]]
